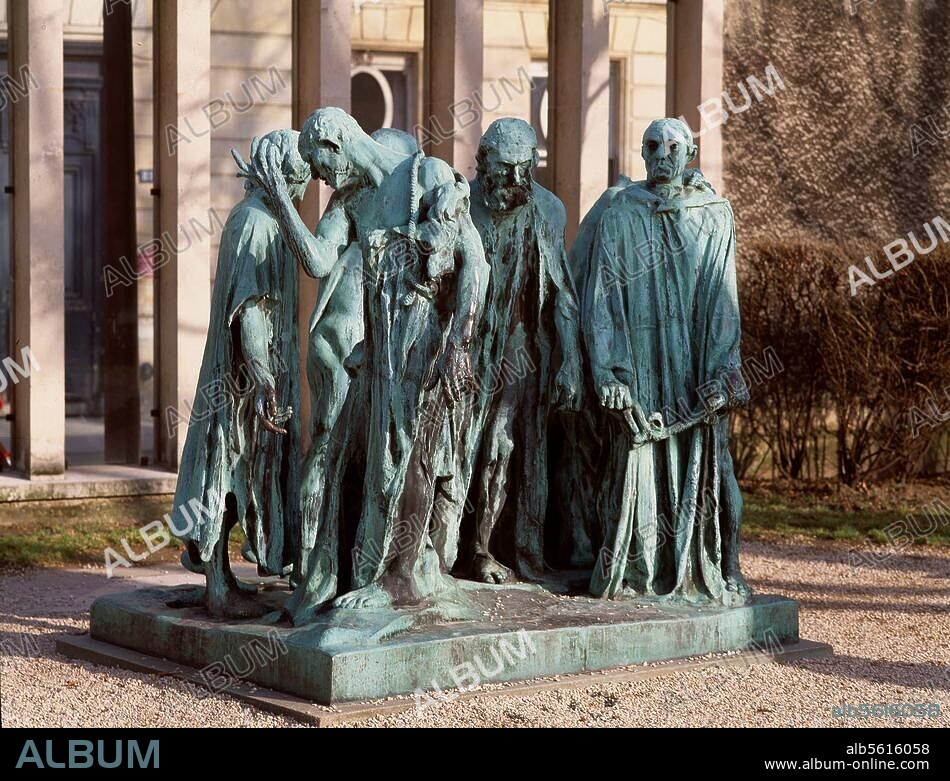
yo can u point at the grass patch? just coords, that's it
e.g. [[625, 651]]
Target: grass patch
[[85, 543], [768, 518], [77, 532]]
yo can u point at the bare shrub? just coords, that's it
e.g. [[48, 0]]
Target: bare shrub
[[779, 284], [854, 366]]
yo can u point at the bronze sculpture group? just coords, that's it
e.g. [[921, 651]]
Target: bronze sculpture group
[[485, 406]]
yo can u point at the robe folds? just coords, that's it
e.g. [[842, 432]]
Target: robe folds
[[516, 352], [227, 450], [574, 489], [662, 317], [405, 335]]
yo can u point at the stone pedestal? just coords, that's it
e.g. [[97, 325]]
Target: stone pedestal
[[512, 633]]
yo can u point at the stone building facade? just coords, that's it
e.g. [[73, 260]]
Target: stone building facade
[[174, 84]]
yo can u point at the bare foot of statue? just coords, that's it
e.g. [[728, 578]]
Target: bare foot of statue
[[306, 602], [687, 595], [397, 590], [488, 570], [368, 597], [232, 603], [736, 584], [191, 562]]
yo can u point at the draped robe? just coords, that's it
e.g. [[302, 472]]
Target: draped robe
[[405, 335], [662, 317], [574, 488], [515, 356], [227, 450], [412, 435]]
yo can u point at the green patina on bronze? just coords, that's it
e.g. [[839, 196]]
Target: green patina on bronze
[[662, 331], [338, 418], [527, 352], [453, 344], [346, 655], [241, 454], [423, 286]]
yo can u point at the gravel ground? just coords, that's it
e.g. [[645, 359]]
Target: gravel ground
[[888, 624]]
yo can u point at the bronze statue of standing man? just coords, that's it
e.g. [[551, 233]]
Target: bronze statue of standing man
[[241, 455], [662, 330], [527, 354], [424, 288]]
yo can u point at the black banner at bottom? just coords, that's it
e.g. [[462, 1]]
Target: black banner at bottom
[[766, 752]]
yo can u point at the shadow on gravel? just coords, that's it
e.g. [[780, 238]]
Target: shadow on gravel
[[70, 592], [36, 622], [914, 608], [856, 557], [916, 675]]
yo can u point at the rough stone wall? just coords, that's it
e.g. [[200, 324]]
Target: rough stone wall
[[832, 156]]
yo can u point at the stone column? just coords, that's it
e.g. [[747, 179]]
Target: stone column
[[578, 105], [120, 332], [453, 62], [323, 53], [694, 60], [36, 65], [182, 74]]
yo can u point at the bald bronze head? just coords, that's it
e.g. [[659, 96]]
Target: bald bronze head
[[295, 169], [325, 136], [507, 156], [667, 149]]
